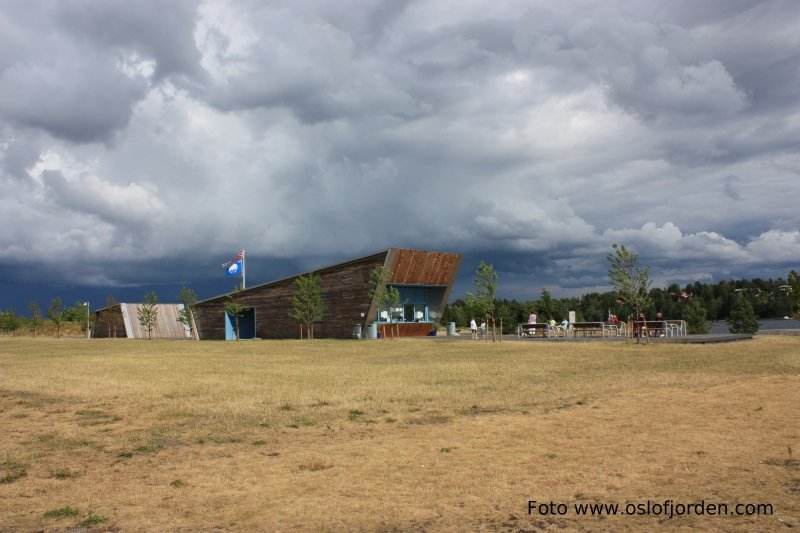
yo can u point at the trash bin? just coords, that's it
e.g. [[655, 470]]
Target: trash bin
[[451, 329], [357, 331], [372, 331]]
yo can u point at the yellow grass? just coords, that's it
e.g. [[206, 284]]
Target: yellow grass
[[402, 435]]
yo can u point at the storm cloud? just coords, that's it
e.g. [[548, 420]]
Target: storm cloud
[[531, 135]]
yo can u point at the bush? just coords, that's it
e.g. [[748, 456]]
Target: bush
[[742, 318], [695, 317]]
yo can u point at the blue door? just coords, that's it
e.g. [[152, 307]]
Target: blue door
[[247, 325]]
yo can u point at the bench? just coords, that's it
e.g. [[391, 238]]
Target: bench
[[655, 328], [530, 330], [614, 329], [587, 329], [677, 327]]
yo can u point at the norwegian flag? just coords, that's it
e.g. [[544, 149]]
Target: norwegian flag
[[234, 259]]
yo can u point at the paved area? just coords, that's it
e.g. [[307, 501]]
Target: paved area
[[688, 339]]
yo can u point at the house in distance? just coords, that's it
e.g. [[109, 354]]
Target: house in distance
[[423, 279]]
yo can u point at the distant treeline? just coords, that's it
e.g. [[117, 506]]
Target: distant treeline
[[56, 319], [768, 298]]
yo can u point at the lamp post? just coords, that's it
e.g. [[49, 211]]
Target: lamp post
[[88, 333]]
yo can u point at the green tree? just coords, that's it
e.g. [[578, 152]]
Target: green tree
[[387, 297], [36, 316], [630, 281], [188, 298], [235, 308], [9, 321], [56, 315], [78, 314], [695, 316], [547, 307], [793, 292], [505, 314], [456, 312], [148, 313], [483, 301], [742, 318], [307, 305]]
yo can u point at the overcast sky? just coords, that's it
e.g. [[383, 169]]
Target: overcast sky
[[143, 143]]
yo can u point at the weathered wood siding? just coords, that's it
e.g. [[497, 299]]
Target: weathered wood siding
[[108, 323], [166, 327], [405, 329], [345, 294], [419, 267]]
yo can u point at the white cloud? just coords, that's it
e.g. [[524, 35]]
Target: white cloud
[[534, 134], [775, 246]]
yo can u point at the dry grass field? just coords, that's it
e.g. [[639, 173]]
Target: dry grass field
[[405, 435]]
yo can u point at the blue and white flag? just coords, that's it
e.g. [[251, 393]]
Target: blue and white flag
[[234, 269]]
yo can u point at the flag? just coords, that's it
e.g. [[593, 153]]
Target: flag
[[237, 257], [234, 269]]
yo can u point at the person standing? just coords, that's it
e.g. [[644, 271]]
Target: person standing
[[473, 327]]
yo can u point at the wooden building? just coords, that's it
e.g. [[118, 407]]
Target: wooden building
[[122, 321], [423, 279]]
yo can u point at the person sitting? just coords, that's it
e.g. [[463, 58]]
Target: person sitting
[[531, 320], [552, 328], [659, 331]]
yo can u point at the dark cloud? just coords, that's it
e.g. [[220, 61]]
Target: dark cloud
[[161, 31], [87, 99], [142, 143]]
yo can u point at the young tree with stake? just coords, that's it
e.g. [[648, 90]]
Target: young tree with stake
[[386, 297], [307, 306], [235, 308], [482, 302], [630, 281], [148, 313], [56, 315], [188, 298], [36, 316]]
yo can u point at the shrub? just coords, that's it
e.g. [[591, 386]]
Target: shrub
[[742, 318], [695, 317]]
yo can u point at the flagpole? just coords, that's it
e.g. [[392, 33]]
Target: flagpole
[[243, 270]]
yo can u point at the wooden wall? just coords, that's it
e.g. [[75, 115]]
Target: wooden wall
[[405, 329], [345, 293], [418, 267], [109, 324]]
